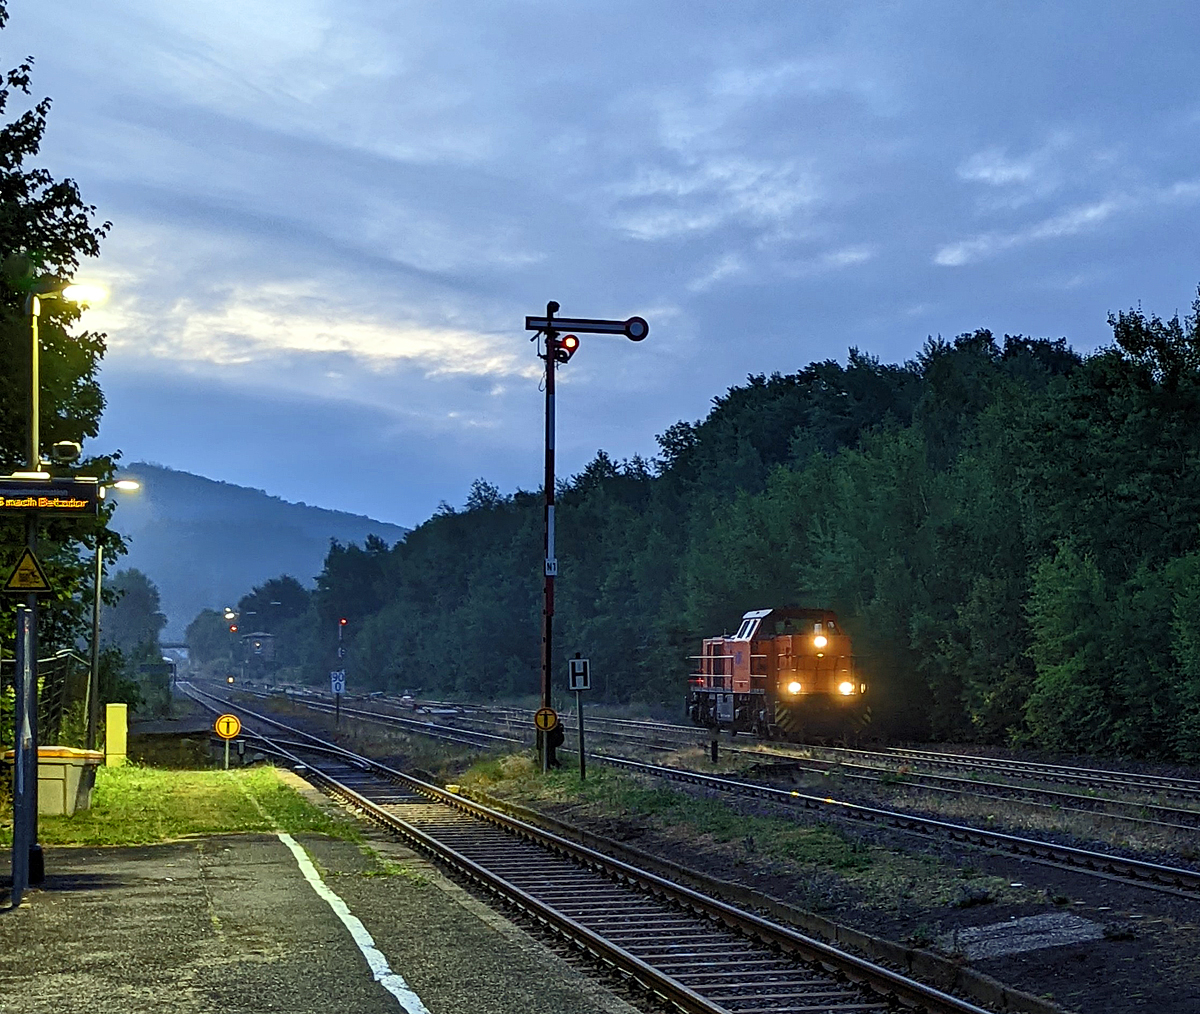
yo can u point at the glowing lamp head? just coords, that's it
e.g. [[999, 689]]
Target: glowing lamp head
[[228, 679], [794, 687], [85, 294], [343, 621], [233, 628], [820, 641], [128, 485], [846, 688]]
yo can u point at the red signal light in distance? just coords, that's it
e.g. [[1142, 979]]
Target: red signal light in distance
[[233, 628], [342, 622]]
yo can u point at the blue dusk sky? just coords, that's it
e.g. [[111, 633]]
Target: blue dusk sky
[[330, 217]]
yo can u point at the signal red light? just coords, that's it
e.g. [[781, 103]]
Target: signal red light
[[342, 622], [233, 628]]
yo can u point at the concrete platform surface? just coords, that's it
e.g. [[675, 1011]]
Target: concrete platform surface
[[230, 924]]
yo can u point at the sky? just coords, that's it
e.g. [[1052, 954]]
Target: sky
[[331, 217]]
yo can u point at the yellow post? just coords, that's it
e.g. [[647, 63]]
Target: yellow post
[[116, 734]]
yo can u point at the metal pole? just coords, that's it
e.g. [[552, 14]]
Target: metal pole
[[36, 864], [579, 719], [337, 709], [93, 693], [226, 754], [551, 559], [33, 458], [21, 735]]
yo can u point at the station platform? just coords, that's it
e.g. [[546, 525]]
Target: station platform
[[232, 924]]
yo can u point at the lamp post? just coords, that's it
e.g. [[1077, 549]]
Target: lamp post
[[93, 691], [27, 865]]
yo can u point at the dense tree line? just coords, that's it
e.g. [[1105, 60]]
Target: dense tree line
[[1010, 530]]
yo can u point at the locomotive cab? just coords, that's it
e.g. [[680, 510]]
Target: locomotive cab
[[785, 672]]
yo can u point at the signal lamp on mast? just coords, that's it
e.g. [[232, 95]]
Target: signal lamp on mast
[[568, 345], [342, 622]]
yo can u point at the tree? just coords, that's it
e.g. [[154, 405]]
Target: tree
[[46, 228], [134, 621], [208, 637]]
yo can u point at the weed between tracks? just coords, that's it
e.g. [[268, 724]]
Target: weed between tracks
[[706, 832]]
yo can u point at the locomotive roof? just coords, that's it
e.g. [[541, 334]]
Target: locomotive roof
[[790, 612]]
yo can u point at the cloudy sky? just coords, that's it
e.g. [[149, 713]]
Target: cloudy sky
[[330, 217]]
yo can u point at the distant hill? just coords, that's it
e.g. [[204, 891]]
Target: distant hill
[[206, 543]]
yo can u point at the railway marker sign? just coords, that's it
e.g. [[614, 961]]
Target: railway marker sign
[[579, 676], [545, 719], [635, 328], [228, 726], [337, 681], [27, 576]]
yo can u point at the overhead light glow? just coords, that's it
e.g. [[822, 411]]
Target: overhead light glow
[[794, 687], [85, 294], [846, 689], [820, 640]]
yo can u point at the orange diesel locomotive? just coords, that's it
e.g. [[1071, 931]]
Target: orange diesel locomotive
[[786, 673]]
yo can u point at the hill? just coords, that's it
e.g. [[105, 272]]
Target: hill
[[206, 543]]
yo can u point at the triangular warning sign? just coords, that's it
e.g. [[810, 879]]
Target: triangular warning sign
[[27, 575]]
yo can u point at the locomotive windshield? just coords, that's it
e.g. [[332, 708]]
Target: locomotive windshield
[[746, 630]]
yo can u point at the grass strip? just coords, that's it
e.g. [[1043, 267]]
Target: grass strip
[[140, 806]]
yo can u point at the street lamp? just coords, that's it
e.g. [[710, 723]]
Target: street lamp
[[27, 864], [82, 295], [93, 692]]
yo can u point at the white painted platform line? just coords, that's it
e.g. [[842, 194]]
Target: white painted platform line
[[393, 982]]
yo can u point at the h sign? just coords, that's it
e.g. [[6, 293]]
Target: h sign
[[578, 676]]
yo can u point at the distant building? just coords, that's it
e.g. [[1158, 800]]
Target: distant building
[[258, 648]]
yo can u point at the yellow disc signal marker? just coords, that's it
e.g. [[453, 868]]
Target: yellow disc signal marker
[[228, 726], [545, 719], [27, 575]]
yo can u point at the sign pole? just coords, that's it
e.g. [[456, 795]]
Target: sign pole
[[551, 559], [20, 844], [337, 709], [226, 755], [579, 718], [635, 329]]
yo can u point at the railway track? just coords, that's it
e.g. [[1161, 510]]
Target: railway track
[[889, 762], [1137, 812], [699, 954], [1153, 876]]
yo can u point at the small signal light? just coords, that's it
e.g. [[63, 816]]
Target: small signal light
[[228, 679], [233, 628], [343, 621], [568, 345]]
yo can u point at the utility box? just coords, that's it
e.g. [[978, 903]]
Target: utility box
[[65, 776], [65, 779], [116, 734]]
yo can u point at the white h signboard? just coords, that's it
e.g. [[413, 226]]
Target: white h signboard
[[578, 676], [337, 681]]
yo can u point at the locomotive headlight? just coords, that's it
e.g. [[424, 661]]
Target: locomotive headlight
[[846, 688], [820, 640], [793, 687]]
